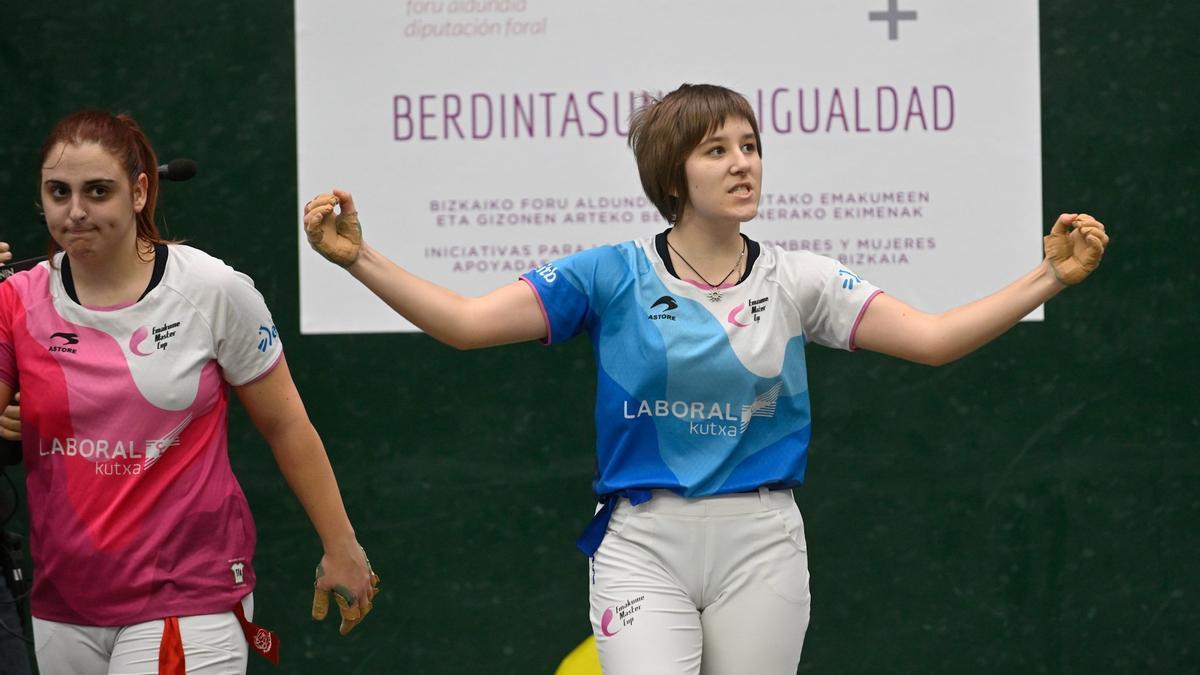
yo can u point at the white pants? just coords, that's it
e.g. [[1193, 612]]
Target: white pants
[[712, 586], [213, 644]]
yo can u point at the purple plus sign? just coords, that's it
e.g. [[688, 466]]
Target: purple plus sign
[[893, 16]]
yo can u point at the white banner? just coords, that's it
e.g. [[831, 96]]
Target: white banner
[[482, 138]]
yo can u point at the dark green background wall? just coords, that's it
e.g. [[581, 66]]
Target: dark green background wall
[[1033, 508]]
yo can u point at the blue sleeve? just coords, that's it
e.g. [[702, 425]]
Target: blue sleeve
[[570, 292]]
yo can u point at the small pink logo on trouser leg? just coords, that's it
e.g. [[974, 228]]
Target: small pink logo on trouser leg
[[606, 620]]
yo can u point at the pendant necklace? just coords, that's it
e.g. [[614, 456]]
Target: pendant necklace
[[714, 294]]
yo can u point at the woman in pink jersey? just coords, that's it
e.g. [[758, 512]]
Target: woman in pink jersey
[[125, 347]]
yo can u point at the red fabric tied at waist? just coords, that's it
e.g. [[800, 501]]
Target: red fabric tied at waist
[[170, 650], [262, 640]]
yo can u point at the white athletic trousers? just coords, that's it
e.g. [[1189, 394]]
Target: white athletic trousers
[[213, 644], [710, 586]]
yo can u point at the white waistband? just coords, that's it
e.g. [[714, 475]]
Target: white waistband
[[667, 502]]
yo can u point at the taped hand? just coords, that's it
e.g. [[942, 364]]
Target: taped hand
[[333, 232], [1074, 247], [353, 609]]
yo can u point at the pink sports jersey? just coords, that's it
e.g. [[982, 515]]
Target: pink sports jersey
[[135, 513]]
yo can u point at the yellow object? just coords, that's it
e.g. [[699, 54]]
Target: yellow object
[[583, 660]]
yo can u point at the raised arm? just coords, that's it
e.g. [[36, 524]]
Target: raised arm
[[1073, 250], [275, 408], [508, 314]]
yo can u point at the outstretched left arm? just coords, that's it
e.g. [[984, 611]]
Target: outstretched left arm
[[275, 407], [889, 326]]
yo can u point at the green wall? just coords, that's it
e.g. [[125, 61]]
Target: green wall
[[1030, 509]]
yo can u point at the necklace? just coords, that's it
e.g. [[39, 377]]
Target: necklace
[[714, 293]]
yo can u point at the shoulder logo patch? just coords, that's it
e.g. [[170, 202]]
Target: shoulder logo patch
[[547, 272], [849, 279], [268, 337]]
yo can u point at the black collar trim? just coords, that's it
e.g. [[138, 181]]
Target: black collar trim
[[660, 245], [160, 267]]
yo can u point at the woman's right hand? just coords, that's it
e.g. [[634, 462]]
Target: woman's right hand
[[331, 223]]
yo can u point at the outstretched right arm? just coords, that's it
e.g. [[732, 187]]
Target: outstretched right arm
[[511, 313]]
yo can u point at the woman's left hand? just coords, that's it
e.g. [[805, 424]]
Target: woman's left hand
[[1074, 247], [347, 574]]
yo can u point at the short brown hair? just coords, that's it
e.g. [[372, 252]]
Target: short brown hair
[[663, 132]]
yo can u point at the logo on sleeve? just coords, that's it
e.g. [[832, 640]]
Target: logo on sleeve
[[849, 279], [547, 272], [667, 303], [267, 337]]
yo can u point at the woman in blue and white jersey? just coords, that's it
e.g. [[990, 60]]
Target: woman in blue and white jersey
[[698, 562]]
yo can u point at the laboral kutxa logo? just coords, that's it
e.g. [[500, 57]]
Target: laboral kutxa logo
[[115, 456], [713, 418]]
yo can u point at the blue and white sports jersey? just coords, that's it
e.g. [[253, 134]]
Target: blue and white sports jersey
[[698, 396]]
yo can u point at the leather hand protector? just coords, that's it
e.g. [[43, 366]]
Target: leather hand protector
[[336, 236], [352, 612], [1075, 252]]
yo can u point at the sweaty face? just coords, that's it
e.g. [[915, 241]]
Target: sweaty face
[[724, 174], [89, 201]]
